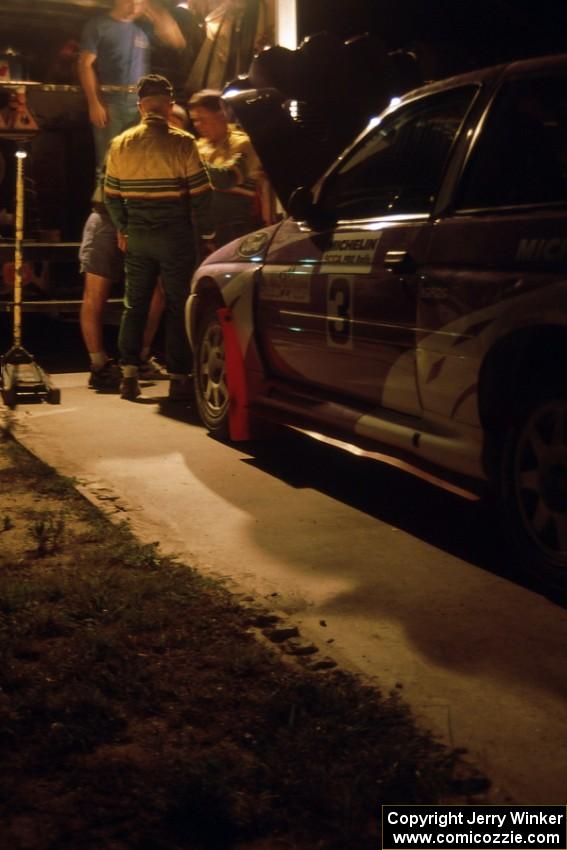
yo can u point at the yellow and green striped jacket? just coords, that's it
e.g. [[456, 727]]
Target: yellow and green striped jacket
[[234, 171], [155, 179]]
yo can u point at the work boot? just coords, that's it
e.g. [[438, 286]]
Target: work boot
[[129, 388], [152, 370], [105, 378], [181, 389]]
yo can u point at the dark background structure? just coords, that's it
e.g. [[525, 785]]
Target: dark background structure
[[450, 35]]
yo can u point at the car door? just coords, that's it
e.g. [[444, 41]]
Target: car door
[[501, 239], [337, 305]]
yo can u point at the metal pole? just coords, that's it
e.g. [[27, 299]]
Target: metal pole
[[20, 156], [20, 376]]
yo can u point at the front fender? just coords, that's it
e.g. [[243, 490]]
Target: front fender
[[229, 286]]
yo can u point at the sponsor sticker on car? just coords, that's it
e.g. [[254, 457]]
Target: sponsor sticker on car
[[353, 252], [253, 244], [291, 284]]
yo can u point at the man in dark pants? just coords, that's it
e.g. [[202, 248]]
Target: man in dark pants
[[159, 197]]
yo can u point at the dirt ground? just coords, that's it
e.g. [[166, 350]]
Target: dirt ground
[[142, 706]]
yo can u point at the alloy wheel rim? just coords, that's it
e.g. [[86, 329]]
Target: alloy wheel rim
[[212, 372], [540, 478]]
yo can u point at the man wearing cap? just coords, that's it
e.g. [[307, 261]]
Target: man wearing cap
[[159, 197]]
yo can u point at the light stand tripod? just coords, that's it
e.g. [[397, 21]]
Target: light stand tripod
[[21, 378]]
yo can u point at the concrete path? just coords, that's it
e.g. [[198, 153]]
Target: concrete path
[[385, 573]]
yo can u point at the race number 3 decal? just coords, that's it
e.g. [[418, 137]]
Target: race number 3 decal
[[339, 311]]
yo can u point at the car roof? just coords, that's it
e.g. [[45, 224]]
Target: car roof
[[485, 75]]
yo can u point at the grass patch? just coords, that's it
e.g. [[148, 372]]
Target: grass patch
[[137, 710]]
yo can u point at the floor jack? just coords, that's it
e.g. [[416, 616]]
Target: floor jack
[[21, 379]]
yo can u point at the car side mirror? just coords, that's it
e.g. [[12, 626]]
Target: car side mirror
[[301, 207], [300, 204]]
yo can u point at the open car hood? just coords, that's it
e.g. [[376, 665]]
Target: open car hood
[[302, 107]]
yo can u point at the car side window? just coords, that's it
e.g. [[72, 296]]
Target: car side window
[[398, 166], [520, 157]]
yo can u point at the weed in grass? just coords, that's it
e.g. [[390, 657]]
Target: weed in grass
[[15, 594], [248, 663], [44, 624], [7, 524], [204, 803], [90, 599], [76, 721], [133, 554], [144, 557], [48, 532], [55, 485]]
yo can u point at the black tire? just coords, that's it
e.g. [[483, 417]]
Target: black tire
[[534, 486], [211, 393]]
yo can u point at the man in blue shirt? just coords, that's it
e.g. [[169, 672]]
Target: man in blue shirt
[[115, 48]]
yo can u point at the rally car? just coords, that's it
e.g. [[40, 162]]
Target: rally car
[[414, 302]]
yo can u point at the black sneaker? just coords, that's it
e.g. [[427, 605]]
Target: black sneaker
[[181, 389], [106, 378], [129, 388]]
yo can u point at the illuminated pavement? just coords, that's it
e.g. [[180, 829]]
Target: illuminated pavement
[[386, 574]]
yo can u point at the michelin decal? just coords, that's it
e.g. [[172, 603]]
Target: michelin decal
[[353, 252], [542, 250]]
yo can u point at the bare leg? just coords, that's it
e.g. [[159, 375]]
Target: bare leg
[[95, 296]]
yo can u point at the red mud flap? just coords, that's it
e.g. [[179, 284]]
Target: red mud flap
[[238, 416]]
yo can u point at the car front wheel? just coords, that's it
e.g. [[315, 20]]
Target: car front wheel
[[211, 392], [534, 486]]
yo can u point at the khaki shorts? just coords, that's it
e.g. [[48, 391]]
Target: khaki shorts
[[99, 253]]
